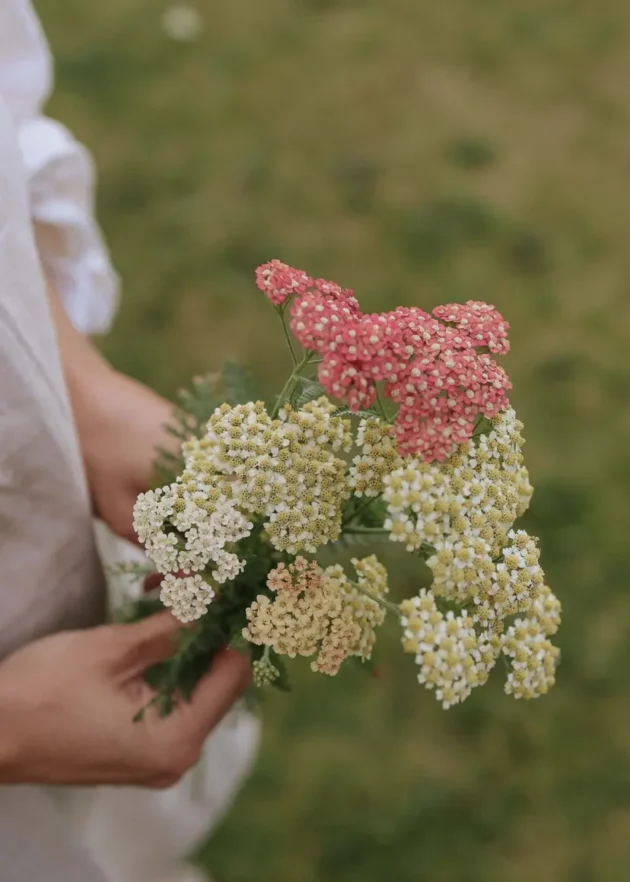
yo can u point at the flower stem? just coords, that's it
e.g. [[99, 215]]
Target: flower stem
[[290, 383], [373, 530], [426, 550], [386, 604], [381, 406], [287, 335]]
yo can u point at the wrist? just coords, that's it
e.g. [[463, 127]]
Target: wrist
[[10, 739]]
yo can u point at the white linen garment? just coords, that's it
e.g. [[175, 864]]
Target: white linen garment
[[51, 576], [60, 176], [49, 571]]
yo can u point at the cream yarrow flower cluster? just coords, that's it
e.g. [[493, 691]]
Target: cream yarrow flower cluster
[[456, 653], [352, 631], [372, 586], [318, 612], [418, 503]]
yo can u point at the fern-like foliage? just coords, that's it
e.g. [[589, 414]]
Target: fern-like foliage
[[306, 390], [237, 385]]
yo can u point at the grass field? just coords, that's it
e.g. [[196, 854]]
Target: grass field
[[419, 152]]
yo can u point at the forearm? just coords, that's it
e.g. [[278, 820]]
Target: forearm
[[119, 422], [77, 351], [88, 375]]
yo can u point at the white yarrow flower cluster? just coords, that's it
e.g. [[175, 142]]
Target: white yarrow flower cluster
[[150, 512], [207, 537], [186, 596], [185, 528]]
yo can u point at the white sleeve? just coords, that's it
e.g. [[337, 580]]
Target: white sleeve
[[60, 175]]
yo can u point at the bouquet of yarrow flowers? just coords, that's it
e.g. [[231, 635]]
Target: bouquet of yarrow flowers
[[391, 426]]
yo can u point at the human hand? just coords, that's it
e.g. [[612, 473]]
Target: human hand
[[67, 704]]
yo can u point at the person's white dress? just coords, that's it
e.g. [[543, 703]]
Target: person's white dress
[[131, 835]]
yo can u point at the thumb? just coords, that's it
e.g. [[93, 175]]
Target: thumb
[[147, 642]]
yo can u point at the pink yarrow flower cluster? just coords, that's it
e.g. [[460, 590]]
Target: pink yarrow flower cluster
[[279, 282], [437, 368]]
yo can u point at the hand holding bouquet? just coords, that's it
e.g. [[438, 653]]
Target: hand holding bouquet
[[393, 425]]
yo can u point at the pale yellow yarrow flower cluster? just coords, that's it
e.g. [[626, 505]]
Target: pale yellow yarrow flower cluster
[[533, 657], [453, 658], [319, 612], [476, 494], [462, 512], [283, 469], [378, 457]]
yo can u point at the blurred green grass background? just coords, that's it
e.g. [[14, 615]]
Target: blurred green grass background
[[419, 152]]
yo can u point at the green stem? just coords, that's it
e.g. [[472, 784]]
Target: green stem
[[427, 550], [287, 336], [373, 530], [386, 604], [290, 384], [381, 406]]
